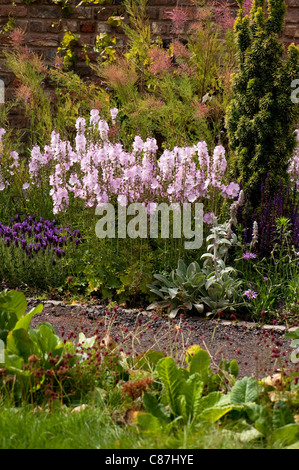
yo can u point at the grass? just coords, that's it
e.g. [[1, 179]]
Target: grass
[[93, 428]]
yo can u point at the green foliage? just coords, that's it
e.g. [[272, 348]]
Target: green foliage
[[181, 291], [13, 315], [67, 49], [38, 365], [262, 117], [184, 391], [9, 25], [19, 339], [105, 46], [213, 287], [192, 404], [176, 94], [245, 390], [274, 278]]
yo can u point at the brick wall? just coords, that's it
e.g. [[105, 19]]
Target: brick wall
[[44, 24]]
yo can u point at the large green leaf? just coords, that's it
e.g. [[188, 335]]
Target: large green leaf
[[46, 339], [172, 379], [13, 362], [286, 435], [163, 279], [13, 302], [20, 343], [246, 390], [181, 269], [152, 406], [25, 321], [191, 270], [261, 416], [7, 323], [281, 415], [213, 399], [200, 363], [192, 392], [215, 413], [148, 423]]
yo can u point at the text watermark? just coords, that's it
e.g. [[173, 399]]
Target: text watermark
[[295, 93], [2, 92], [150, 220]]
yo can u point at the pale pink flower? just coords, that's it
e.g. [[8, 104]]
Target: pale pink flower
[[113, 113], [209, 218]]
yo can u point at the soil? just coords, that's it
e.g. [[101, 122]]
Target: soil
[[259, 350]]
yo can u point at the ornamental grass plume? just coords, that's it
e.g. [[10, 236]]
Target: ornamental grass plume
[[223, 14], [160, 61], [119, 74], [179, 17], [180, 51], [17, 37]]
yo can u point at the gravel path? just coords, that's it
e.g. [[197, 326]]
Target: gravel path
[[260, 351]]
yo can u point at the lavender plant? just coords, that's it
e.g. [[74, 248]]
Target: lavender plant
[[37, 252]]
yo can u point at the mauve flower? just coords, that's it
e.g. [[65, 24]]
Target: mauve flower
[[249, 255], [250, 294], [209, 218]]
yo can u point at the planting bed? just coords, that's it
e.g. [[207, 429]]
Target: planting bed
[[259, 350]]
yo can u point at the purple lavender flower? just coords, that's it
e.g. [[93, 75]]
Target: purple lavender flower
[[33, 235]]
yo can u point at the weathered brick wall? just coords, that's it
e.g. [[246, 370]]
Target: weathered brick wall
[[44, 24]]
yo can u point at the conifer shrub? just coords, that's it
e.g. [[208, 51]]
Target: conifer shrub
[[261, 118]]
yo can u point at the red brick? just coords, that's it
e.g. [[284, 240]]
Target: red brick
[[43, 40], [87, 27], [292, 16], [160, 28], [103, 14], [53, 26], [42, 11], [36, 26], [18, 11]]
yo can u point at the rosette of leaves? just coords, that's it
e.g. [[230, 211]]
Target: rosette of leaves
[[214, 286], [188, 394], [185, 399], [180, 290]]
